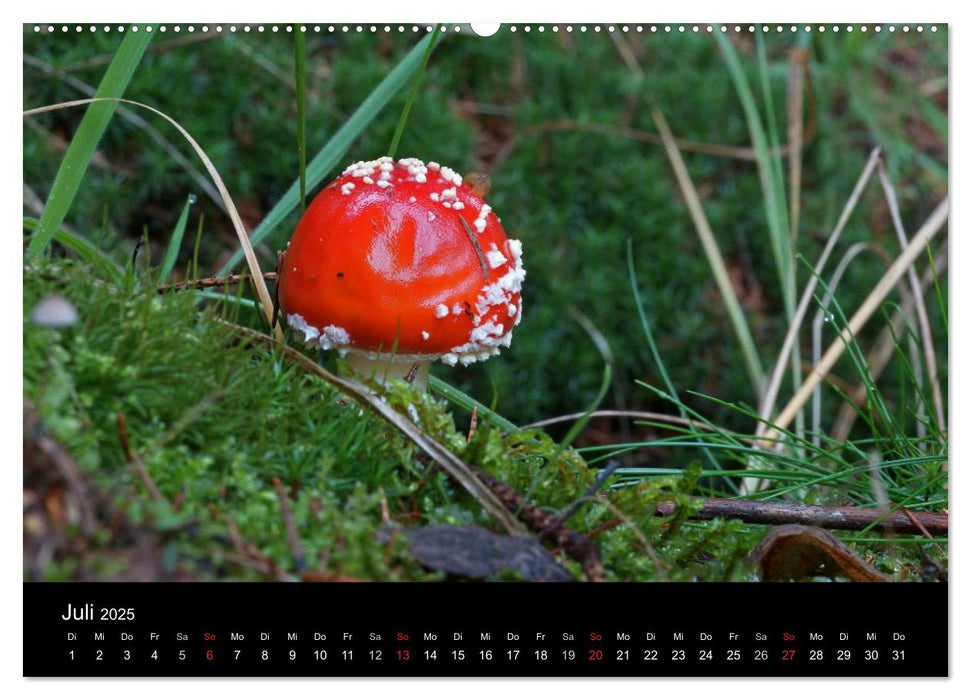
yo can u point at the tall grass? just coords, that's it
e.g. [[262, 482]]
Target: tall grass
[[752, 460], [175, 242], [85, 141], [768, 158]]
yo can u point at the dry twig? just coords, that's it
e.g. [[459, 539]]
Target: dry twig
[[206, 282], [829, 517]]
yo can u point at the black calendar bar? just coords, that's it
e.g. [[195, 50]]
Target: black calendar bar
[[498, 629]]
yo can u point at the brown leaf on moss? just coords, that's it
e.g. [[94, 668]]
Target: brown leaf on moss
[[800, 552]]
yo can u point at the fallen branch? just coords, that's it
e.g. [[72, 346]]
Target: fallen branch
[[828, 517]]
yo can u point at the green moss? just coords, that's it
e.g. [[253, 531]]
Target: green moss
[[214, 420]]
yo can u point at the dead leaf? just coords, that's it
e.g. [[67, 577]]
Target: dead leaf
[[800, 552]]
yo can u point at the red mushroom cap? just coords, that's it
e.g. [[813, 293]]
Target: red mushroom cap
[[402, 255]]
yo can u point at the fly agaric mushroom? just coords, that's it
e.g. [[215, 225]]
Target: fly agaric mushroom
[[397, 263]]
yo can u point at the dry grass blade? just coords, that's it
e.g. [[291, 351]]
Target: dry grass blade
[[257, 276], [263, 62], [627, 53], [775, 380], [452, 465], [851, 254], [626, 132], [637, 415], [293, 535], [798, 68], [132, 118], [877, 487], [883, 350], [923, 321], [36, 204], [752, 363], [916, 247], [134, 460]]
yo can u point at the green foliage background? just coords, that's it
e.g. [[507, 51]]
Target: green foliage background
[[515, 105]]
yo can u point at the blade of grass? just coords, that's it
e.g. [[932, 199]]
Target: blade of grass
[[603, 347], [822, 314], [655, 353], [927, 341], [938, 293], [691, 414], [195, 247], [778, 235], [86, 138], [581, 422], [775, 380], [300, 77], [825, 315], [84, 249], [923, 236], [226, 297], [178, 233], [798, 69], [751, 356], [883, 350], [403, 119], [333, 151], [460, 398], [910, 373], [773, 188], [646, 327], [777, 197], [244, 241], [648, 418], [774, 154]]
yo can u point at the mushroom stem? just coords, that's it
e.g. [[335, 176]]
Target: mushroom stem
[[415, 371]]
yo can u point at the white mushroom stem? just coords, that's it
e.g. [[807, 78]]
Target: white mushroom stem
[[381, 368]]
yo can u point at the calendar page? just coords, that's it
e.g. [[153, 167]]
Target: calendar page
[[447, 349]]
